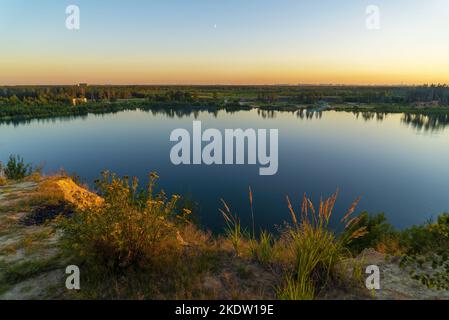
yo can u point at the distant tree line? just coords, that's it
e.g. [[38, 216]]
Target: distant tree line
[[43, 95], [63, 95], [343, 94]]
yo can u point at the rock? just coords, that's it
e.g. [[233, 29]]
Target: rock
[[40, 287], [371, 256], [395, 282]]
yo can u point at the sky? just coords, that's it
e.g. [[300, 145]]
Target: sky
[[224, 42]]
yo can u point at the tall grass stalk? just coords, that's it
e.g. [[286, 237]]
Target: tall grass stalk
[[252, 210], [233, 228], [315, 246]]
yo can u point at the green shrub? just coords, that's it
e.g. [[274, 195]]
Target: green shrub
[[16, 168], [130, 228], [432, 236], [379, 233], [427, 256]]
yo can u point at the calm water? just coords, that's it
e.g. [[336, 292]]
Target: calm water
[[398, 164]]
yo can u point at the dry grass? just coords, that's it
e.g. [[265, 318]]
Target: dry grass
[[306, 251], [128, 228], [233, 230], [47, 193], [390, 246], [263, 248], [141, 245], [315, 247]]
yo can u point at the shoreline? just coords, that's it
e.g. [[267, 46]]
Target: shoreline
[[28, 113]]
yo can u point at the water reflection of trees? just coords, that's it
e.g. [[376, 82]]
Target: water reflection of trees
[[18, 122], [306, 114], [422, 122], [194, 111], [419, 121], [184, 112], [369, 115], [426, 122], [309, 114]]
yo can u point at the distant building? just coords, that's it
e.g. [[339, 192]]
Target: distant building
[[83, 85], [77, 101]]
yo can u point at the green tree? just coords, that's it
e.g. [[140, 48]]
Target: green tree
[[16, 168]]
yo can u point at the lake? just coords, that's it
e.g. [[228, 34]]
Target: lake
[[397, 163]]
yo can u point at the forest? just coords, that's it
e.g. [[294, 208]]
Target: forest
[[27, 102], [39, 95]]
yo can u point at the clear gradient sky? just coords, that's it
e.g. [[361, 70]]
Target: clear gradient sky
[[224, 42]]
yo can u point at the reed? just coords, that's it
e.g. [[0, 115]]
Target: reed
[[316, 247], [252, 210], [233, 229], [262, 249]]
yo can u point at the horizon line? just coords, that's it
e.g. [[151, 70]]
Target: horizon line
[[229, 84]]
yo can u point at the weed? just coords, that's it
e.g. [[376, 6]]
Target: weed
[[315, 247], [233, 228], [263, 249], [16, 168], [129, 228]]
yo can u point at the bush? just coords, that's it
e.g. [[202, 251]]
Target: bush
[[16, 168], [433, 236], [381, 236], [129, 229], [427, 256]]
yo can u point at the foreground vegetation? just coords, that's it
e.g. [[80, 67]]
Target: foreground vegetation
[[23, 103], [135, 243]]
